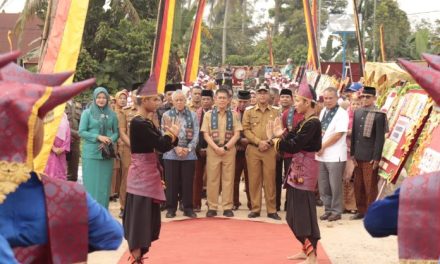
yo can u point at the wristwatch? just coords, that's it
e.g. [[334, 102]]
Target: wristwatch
[[225, 148]]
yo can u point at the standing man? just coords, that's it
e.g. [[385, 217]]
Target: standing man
[[333, 155], [180, 161], [218, 76], [286, 99], [124, 121], [207, 102], [367, 139], [227, 76], [168, 100], [274, 97], [288, 69], [221, 129], [244, 98], [73, 111], [260, 154], [196, 98]]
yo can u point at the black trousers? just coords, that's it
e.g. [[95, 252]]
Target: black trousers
[[179, 176], [279, 179], [73, 161]]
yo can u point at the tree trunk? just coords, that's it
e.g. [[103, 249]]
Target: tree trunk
[[225, 31], [243, 15], [276, 21]]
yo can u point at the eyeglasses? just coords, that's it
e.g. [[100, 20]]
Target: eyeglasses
[[366, 96]]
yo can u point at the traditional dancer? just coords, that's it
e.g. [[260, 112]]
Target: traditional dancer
[[141, 217], [301, 180], [34, 208]]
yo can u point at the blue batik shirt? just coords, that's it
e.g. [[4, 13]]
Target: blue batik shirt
[[183, 141]]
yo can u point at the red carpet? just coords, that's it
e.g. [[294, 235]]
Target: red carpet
[[220, 240]]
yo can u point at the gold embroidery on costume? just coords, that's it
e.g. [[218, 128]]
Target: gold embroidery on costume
[[12, 174]]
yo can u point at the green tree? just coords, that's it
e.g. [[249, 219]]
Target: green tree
[[396, 28]]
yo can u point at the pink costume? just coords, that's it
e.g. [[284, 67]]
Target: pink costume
[[57, 164]]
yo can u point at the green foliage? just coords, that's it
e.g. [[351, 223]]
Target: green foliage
[[85, 68], [128, 50], [425, 38], [117, 50]]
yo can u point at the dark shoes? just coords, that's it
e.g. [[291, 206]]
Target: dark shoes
[[319, 203], [357, 216], [170, 214], [228, 213], [325, 216], [190, 214], [274, 216], [114, 198], [334, 217], [197, 209], [253, 215], [211, 213]]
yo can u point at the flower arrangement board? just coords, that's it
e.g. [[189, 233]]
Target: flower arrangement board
[[425, 156], [407, 114]]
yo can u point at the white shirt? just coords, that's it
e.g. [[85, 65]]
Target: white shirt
[[338, 151]]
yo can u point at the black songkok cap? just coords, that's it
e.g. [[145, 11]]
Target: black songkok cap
[[244, 95], [209, 93], [171, 87], [286, 92], [369, 90]]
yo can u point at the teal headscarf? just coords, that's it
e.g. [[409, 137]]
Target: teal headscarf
[[98, 113]]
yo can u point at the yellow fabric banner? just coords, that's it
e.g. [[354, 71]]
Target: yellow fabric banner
[[62, 53]]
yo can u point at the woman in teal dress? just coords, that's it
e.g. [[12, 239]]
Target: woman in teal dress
[[98, 127]]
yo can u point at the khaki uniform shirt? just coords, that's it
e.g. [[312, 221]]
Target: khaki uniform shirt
[[73, 112], [193, 107], [206, 126], [255, 120], [130, 113]]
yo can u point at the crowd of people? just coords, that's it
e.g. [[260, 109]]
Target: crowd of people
[[326, 154]]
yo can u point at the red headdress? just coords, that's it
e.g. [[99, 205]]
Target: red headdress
[[304, 90], [20, 105], [149, 88], [427, 78]]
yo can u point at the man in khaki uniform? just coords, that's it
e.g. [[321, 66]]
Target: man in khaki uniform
[[221, 128], [73, 111], [124, 134], [260, 154], [196, 98]]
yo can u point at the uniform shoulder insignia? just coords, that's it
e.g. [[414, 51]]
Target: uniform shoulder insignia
[[250, 107], [276, 107]]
